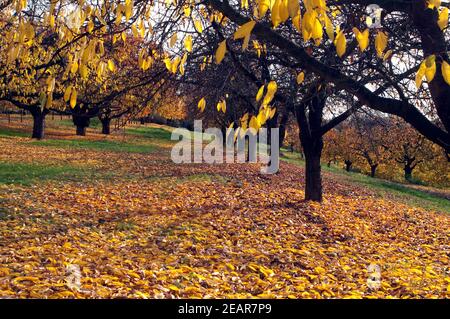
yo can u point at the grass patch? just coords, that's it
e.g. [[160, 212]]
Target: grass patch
[[164, 134], [5, 132], [105, 145], [27, 174], [151, 132], [403, 193]]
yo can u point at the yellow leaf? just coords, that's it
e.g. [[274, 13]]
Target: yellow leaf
[[272, 112], [329, 29], [222, 106], [272, 87], [275, 14], [261, 118], [308, 24], [387, 55], [420, 74], [430, 63], [111, 65], [67, 93], [300, 78], [173, 40], [244, 30], [434, 4], [63, 294], [4, 271], [175, 64], [168, 64], [293, 7], [320, 270], [128, 9], [263, 6], [83, 71], [188, 43], [25, 278], [51, 22], [173, 288], [187, 11], [284, 10], [73, 98], [254, 124], [260, 93], [201, 104], [90, 26], [445, 68], [341, 43], [362, 38], [443, 18], [271, 90], [296, 21], [74, 67], [380, 43], [317, 31], [230, 266], [198, 26], [221, 50]]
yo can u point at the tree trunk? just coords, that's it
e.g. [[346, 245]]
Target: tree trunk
[[81, 122], [313, 178], [38, 124], [311, 140], [348, 165], [283, 123], [81, 130], [312, 148], [408, 172], [106, 125], [373, 170]]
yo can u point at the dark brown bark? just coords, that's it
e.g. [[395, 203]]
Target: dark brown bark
[[348, 165], [38, 124], [81, 130], [106, 126], [313, 177], [408, 172], [373, 170], [81, 122], [309, 115], [282, 127]]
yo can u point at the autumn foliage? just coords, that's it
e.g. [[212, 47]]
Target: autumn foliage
[[358, 91], [196, 231]]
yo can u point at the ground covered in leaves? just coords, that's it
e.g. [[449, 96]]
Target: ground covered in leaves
[[102, 220]]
